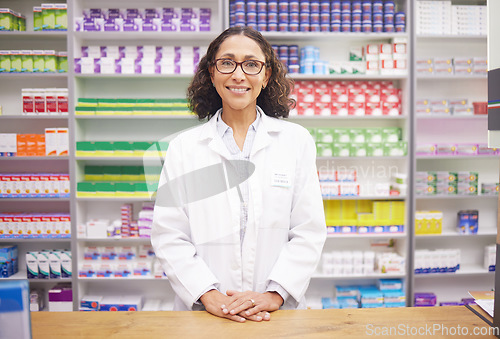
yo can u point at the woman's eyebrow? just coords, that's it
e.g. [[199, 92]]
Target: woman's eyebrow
[[231, 55]]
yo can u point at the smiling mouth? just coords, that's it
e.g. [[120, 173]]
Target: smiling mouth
[[238, 90]]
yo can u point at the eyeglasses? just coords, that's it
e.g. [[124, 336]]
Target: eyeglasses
[[228, 66]]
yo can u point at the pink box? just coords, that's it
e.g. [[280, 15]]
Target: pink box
[[305, 108], [390, 95], [356, 108], [322, 108], [339, 94], [356, 94], [373, 108], [339, 108], [391, 108], [372, 94]]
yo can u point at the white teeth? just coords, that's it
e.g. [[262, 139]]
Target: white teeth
[[239, 90]]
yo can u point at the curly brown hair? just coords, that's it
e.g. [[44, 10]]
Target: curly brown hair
[[203, 98]]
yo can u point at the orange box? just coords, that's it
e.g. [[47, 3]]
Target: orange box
[[21, 145], [40, 145], [31, 148]]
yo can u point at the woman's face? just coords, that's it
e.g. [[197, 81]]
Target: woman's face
[[239, 91]]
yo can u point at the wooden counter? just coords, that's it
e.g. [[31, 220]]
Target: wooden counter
[[353, 323]]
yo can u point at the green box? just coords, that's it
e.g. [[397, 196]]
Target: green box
[[4, 61], [104, 146], [6, 19], [61, 16], [15, 61], [341, 149], [38, 61], [358, 150], [105, 187], [106, 102], [341, 135], [37, 18], [79, 110], [374, 149], [22, 23], [324, 135], [145, 102], [395, 149], [357, 135], [86, 186], [127, 188], [50, 60], [391, 134], [112, 173], [177, 102], [88, 102], [26, 61], [122, 146], [131, 173], [85, 146], [48, 17], [94, 173], [62, 62], [324, 149], [126, 102], [373, 135]]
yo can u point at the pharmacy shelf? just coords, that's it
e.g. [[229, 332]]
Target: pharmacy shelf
[[33, 75], [134, 117], [366, 197], [34, 199], [34, 240], [454, 234], [347, 277], [453, 197], [347, 117], [34, 158], [450, 36], [102, 199], [114, 240], [33, 117], [22, 275], [131, 76], [366, 236], [452, 117], [465, 270], [451, 77], [331, 36], [30, 35], [115, 279], [364, 158], [456, 157], [348, 76], [145, 36]]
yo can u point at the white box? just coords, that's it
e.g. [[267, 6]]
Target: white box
[[51, 142], [62, 141], [97, 229], [8, 142]]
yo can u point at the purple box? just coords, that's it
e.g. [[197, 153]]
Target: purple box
[[168, 26], [425, 299], [114, 13], [151, 25], [93, 13], [61, 292], [132, 25], [132, 13], [451, 303], [78, 65], [151, 13], [113, 25], [188, 13], [172, 13], [90, 24]]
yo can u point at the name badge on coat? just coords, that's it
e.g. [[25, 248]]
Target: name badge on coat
[[281, 179]]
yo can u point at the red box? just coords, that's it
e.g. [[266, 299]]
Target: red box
[[305, 93], [372, 95], [305, 108], [339, 108], [322, 108], [373, 108], [356, 94], [390, 95], [339, 94], [391, 108], [356, 108], [322, 93]]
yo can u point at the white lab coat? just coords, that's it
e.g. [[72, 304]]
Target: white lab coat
[[198, 244]]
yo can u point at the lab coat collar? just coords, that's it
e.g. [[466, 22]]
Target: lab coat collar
[[267, 126]]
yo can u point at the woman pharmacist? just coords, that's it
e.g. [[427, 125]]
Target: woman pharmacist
[[251, 249]]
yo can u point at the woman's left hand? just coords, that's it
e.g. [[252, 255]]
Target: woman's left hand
[[250, 303]]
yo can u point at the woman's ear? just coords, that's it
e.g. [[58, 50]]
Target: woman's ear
[[211, 71], [268, 76]]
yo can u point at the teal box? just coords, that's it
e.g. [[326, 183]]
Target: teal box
[[26, 62], [4, 61], [15, 61]]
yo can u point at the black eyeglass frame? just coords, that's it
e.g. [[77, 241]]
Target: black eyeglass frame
[[262, 64]]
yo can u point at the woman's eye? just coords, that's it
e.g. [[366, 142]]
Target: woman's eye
[[252, 64], [227, 63]]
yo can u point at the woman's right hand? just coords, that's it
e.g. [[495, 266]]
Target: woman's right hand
[[214, 301]]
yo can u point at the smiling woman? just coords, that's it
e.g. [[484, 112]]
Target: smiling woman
[[251, 241]]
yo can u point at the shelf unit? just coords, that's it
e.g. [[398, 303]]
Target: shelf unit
[[454, 129]]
